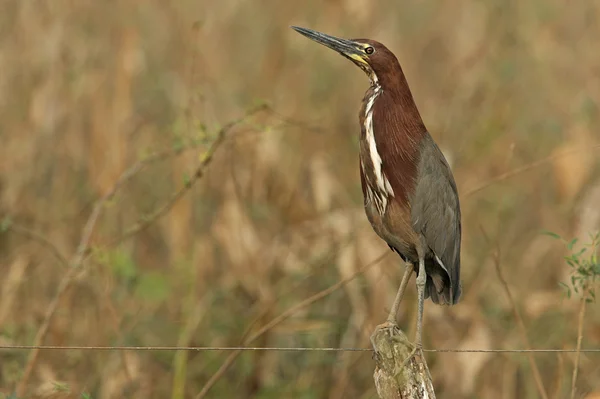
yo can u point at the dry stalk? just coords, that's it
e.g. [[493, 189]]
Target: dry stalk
[[12, 280], [281, 318], [181, 357], [582, 306], [558, 378], [522, 329]]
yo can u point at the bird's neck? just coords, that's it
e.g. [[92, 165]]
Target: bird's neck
[[391, 132], [396, 87], [395, 104]]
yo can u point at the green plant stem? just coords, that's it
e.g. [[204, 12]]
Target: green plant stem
[[582, 306]]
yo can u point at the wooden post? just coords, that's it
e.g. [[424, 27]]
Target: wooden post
[[393, 378]]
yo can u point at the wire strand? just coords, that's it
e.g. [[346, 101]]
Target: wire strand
[[274, 349]]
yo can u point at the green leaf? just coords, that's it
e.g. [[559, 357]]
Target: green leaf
[[178, 144], [551, 234], [122, 264], [584, 272], [581, 252], [201, 127], [152, 286], [186, 179], [259, 102], [5, 224], [61, 387], [571, 244]]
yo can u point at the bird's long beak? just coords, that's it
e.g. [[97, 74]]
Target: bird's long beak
[[345, 47]]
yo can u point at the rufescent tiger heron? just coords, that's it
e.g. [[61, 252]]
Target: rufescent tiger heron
[[410, 195]]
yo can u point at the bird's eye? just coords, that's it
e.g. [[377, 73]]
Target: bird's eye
[[369, 50]]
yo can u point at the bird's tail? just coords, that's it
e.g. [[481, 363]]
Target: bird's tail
[[439, 288]]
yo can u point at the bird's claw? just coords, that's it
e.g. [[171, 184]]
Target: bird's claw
[[388, 324], [418, 348]]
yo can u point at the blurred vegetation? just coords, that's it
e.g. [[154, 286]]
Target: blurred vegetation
[[88, 89]]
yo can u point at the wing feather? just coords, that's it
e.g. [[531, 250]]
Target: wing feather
[[435, 214]]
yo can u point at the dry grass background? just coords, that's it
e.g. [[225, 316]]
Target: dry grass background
[[88, 88]]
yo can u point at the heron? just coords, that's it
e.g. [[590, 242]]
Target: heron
[[410, 195]]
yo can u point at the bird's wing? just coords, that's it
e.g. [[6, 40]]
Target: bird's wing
[[435, 214]]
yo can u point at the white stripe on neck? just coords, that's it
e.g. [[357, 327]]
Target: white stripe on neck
[[382, 184]]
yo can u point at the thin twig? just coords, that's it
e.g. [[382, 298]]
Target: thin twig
[[279, 319], [198, 173], [69, 277], [41, 239], [62, 288], [559, 376], [524, 168], [582, 307], [142, 165], [536, 373], [83, 248]]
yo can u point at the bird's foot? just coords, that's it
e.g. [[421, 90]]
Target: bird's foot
[[387, 325], [418, 349]]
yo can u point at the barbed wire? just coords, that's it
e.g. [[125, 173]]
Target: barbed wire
[[275, 349]]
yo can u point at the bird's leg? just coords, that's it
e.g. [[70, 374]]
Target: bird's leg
[[421, 280], [390, 322], [394, 311]]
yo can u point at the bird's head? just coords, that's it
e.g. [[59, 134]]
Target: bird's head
[[372, 57]]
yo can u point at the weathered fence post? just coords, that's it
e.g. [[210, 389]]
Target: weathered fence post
[[393, 378]]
